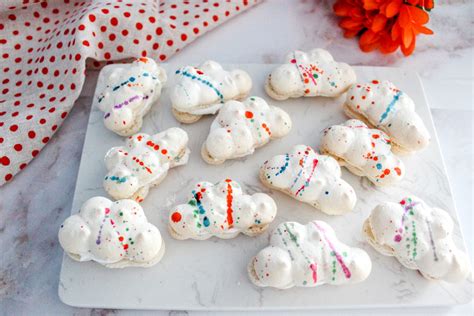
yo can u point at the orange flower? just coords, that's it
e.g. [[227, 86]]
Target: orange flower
[[385, 25]]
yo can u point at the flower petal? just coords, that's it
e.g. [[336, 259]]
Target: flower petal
[[418, 15], [404, 18], [396, 32], [422, 29], [379, 23], [408, 50], [369, 47], [387, 45], [370, 5], [392, 9], [350, 33], [369, 38], [408, 37], [428, 4], [341, 9], [350, 24]]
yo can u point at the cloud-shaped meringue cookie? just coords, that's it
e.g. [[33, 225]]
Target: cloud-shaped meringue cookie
[[221, 210], [311, 178], [363, 151], [309, 74], [307, 256], [144, 162], [419, 236], [114, 234], [384, 106], [240, 127], [204, 89], [126, 92]]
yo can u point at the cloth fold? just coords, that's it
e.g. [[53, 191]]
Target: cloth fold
[[44, 47]]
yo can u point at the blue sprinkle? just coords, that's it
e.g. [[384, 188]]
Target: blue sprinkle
[[390, 106], [283, 168], [203, 81], [118, 179]]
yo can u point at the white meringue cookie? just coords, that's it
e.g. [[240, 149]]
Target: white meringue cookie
[[419, 236], [309, 74], [144, 162], [204, 89], [126, 92], [221, 210], [383, 106], [311, 178], [365, 152], [114, 234], [307, 256], [240, 127]]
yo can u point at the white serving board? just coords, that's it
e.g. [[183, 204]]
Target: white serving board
[[212, 274]]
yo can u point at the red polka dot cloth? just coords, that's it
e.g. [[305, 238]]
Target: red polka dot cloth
[[44, 47]]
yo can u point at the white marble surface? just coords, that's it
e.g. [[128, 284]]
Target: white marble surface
[[39, 199]]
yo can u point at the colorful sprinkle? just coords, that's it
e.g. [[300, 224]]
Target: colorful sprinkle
[[308, 180], [230, 220], [283, 168], [201, 80], [339, 258], [176, 217], [390, 106]]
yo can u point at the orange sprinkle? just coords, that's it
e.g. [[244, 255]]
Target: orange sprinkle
[[230, 219], [176, 217], [266, 129]]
